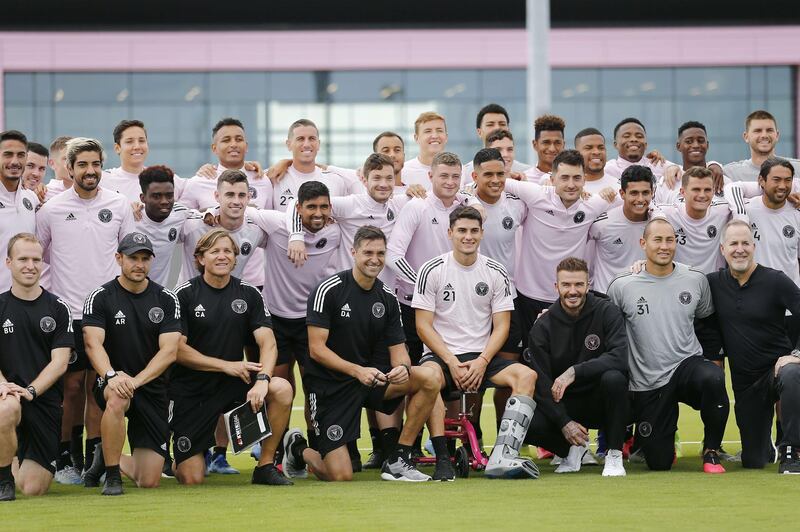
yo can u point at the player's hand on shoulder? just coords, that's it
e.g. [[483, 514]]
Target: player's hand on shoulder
[[241, 369], [208, 170], [41, 192], [137, 208], [416, 191], [638, 266], [656, 157], [517, 176], [608, 194], [672, 175], [719, 178], [254, 166], [276, 172], [297, 253], [794, 199]]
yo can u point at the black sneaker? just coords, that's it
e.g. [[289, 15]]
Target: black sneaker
[[375, 460], [357, 465], [790, 461], [269, 475], [444, 471], [8, 491], [112, 486], [166, 471], [91, 477]]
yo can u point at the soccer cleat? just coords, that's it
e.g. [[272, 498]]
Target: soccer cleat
[[543, 454], [291, 466], [790, 461], [374, 461], [572, 462], [357, 465], [614, 466], [589, 458], [444, 471], [91, 477], [270, 476], [7, 490], [255, 451], [636, 457], [556, 460], [400, 469], [112, 486], [711, 462], [69, 476], [219, 465]]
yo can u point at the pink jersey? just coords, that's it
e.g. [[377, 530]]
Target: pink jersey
[[286, 189], [165, 236], [288, 287], [615, 167], [17, 215], [463, 299], [551, 233], [80, 237], [419, 235], [534, 175], [416, 173], [54, 188], [351, 179], [127, 184]]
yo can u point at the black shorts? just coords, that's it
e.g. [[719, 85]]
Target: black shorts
[[194, 418], [413, 342], [528, 310], [496, 365], [514, 341], [148, 425], [291, 337], [78, 359], [39, 433], [336, 410]]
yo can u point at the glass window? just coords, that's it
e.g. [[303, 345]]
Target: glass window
[[372, 86], [639, 83], [18, 88], [711, 83], [185, 87], [443, 85]]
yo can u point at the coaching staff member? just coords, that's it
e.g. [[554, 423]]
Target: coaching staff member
[[751, 302], [579, 349]]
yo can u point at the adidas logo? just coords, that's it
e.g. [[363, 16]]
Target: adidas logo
[[119, 318], [448, 286], [679, 231], [346, 307], [618, 241], [345, 311], [551, 213], [371, 217], [287, 192], [8, 327], [642, 300], [199, 311], [8, 323], [435, 221], [70, 217]]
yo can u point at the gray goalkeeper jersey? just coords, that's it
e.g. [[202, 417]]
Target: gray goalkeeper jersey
[[659, 318]]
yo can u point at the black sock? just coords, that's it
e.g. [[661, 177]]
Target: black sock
[[219, 451], [76, 447], [312, 439], [64, 459], [112, 471], [402, 450], [91, 443], [388, 440], [352, 448], [418, 442], [5, 474], [280, 450], [375, 436], [451, 446], [440, 447]]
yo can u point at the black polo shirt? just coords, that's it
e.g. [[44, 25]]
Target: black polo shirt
[[751, 318]]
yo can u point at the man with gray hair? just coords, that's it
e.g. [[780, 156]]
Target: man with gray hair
[[751, 301]]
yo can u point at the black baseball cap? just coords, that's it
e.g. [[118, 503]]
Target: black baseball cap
[[134, 242]]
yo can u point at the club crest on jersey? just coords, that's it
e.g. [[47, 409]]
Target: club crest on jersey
[[172, 235], [378, 310], [579, 217], [321, 243], [104, 215], [183, 444], [139, 238], [508, 223], [481, 288], [239, 306], [592, 342], [711, 231], [246, 248], [47, 324], [335, 433], [253, 192], [27, 203], [788, 231], [645, 429], [156, 314], [685, 297], [389, 214]]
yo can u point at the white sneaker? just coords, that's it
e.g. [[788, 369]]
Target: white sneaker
[[589, 458], [572, 462], [402, 470], [69, 475], [614, 467], [556, 460]]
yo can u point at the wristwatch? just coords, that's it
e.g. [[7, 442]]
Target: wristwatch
[[263, 377], [32, 391], [795, 353], [110, 374]]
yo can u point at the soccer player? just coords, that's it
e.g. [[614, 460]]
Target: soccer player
[[35, 166], [491, 119], [698, 216], [761, 135], [548, 142], [751, 300], [591, 143], [463, 301], [557, 226], [579, 350], [391, 145], [18, 203], [430, 134], [80, 229], [630, 140], [163, 219], [420, 234], [352, 318], [36, 343], [693, 145], [661, 304], [219, 314], [131, 328], [616, 233], [62, 180]]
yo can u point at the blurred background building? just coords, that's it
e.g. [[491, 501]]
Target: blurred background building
[[360, 67]]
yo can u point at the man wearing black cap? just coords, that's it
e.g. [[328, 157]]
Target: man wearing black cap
[[131, 328]]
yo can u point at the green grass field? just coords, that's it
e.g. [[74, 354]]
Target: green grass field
[[684, 498]]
